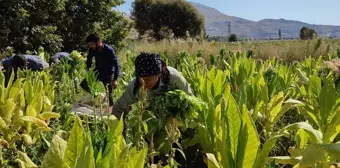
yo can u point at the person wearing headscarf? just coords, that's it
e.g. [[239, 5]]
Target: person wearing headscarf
[[158, 79]]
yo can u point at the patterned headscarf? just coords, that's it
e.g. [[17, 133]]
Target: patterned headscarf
[[148, 64]]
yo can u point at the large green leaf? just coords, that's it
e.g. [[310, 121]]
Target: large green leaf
[[31, 111], [221, 140], [112, 122], [28, 91], [311, 156], [241, 146], [6, 110], [49, 115], [219, 83], [32, 120], [253, 142], [275, 105], [327, 98], [14, 90], [287, 106], [24, 161], [2, 80], [333, 150], [86, 158], [75, 143], [3, 124], [267, 147], [137, 159], [315, 135], [212, 162], [2, 94], [10, 82], [285, 160], [38, 101], [310, 114], [333, 128], [314, 86], [233, 124], [55, 154], [301, 138]]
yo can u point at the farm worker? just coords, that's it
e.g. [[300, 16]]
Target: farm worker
[[106, 65], [31, 62], [158, 78], [61, 56]]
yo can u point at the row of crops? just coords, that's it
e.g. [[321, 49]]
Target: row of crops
[[245, 113]]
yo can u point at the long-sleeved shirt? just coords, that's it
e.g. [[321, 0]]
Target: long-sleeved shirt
[[34, 62], [106, 62], [63, 56], [177, 81]]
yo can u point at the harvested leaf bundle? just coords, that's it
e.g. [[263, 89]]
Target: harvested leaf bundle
[[161, 116], [175, 104]]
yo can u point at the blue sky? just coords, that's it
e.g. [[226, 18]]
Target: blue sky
[[326, 12]]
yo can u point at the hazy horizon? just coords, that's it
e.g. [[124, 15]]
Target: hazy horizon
[[314, 12]]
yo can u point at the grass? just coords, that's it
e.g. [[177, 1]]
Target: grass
[[286, 49]]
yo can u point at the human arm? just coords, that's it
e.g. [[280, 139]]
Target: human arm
[[178, 80], [115, 68], [89, 60], [125, 101], [6, 63]]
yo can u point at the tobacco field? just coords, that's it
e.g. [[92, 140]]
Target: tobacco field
[[246, 113]]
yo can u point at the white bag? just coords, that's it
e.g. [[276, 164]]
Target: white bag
[[85, 106]]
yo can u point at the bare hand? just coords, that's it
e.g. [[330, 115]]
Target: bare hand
[[114, 84]]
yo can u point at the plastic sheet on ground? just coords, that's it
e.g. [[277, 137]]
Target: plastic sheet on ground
[[85, 106]]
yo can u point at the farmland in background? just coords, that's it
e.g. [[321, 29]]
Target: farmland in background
[[251, 109]]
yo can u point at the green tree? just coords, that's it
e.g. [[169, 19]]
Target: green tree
[[60, 24], [307, 33], [152, 17], [232, 38]]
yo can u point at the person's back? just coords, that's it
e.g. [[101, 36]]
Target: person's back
[[12, 64], [35, 62], [60, 57], [32, 62]]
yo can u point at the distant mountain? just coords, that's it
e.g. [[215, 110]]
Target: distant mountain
[[217, 25]]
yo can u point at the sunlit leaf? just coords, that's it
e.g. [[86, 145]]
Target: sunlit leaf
[[6, 110], [75, 143], [55, 154], [24, 161]]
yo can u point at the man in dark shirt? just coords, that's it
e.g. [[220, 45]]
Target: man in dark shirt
[[31, 62], [106, 64]]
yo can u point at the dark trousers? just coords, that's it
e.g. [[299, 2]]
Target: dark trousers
[[108, 86]]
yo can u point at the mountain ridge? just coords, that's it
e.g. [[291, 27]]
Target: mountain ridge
[[217, 25]]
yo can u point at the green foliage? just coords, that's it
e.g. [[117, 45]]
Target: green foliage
[[160, 18], [232, 38], [245, 113], [56, 25], [307, 33]]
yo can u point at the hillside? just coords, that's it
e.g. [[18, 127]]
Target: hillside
[[217, 25]]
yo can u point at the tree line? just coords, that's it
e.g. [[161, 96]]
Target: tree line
[[63, 24], [59, 24]]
